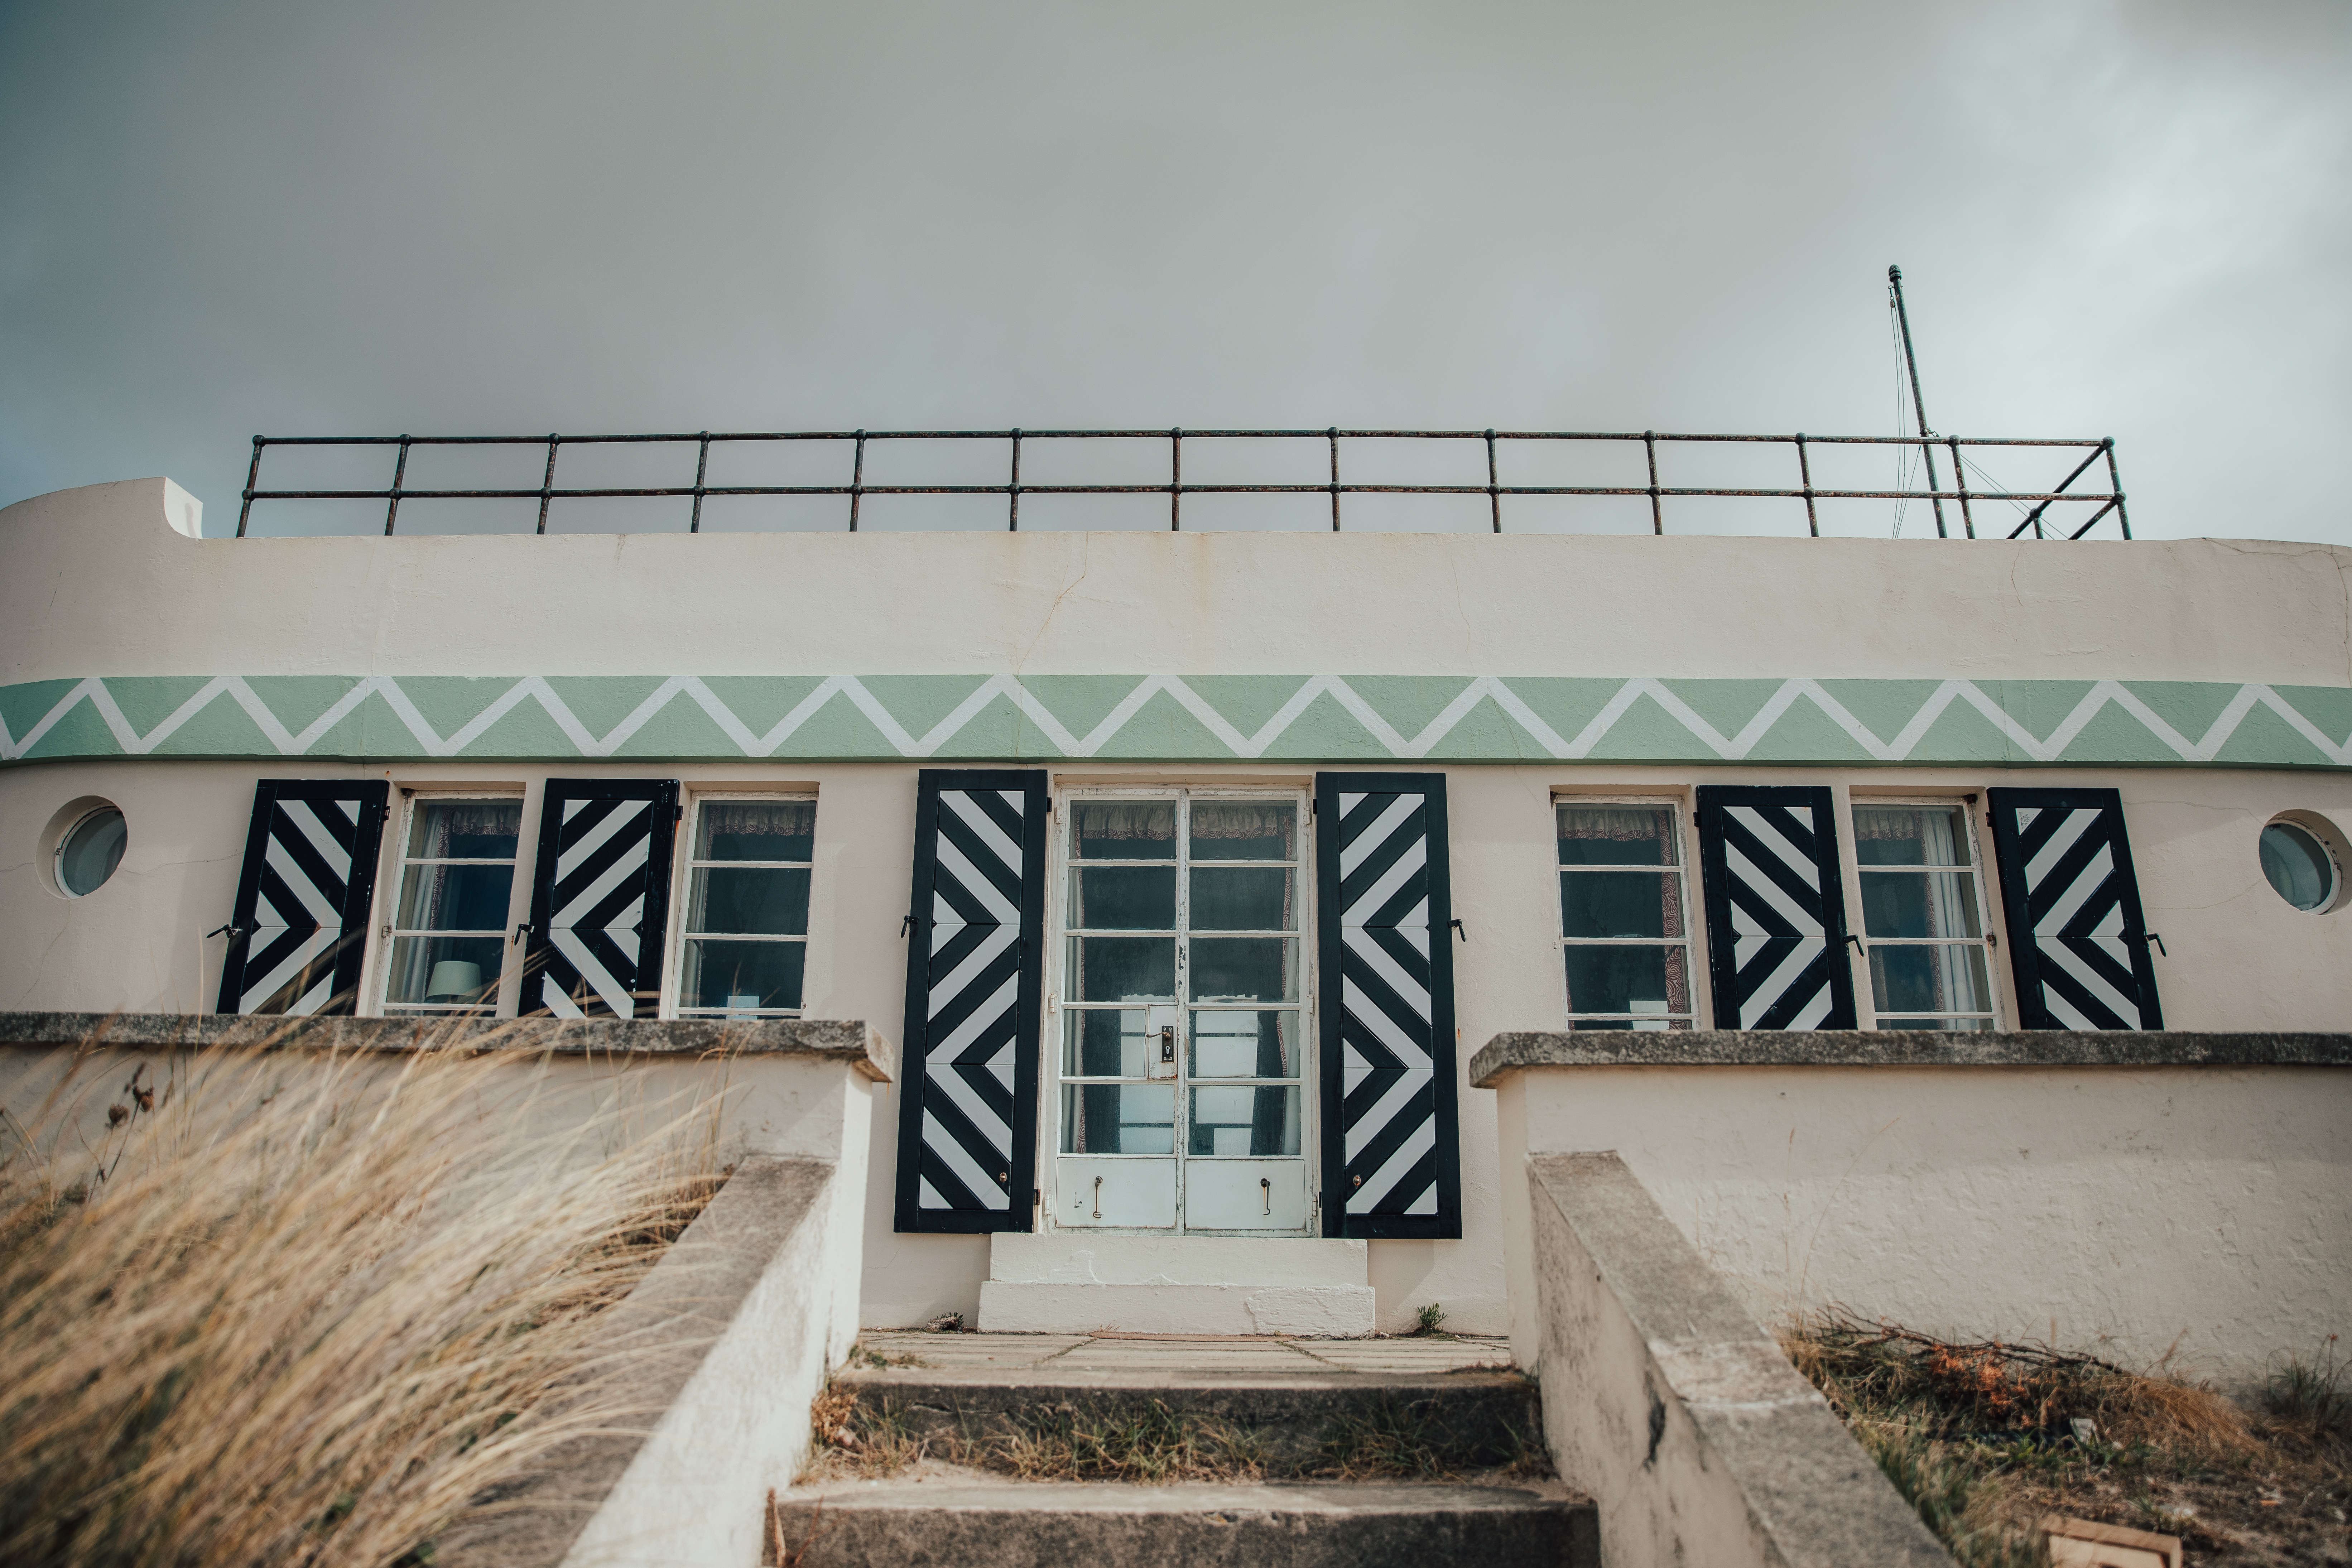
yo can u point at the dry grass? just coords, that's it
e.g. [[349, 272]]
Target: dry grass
[[299, 1309], [1984, 1437]]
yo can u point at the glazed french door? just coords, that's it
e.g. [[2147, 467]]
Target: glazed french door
[[1178, 1023]]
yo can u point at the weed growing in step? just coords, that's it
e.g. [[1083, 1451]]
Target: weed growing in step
[[300, 1308], [1432, 1316], [1397, 1437], [1150, 1445], [1985, 1437]]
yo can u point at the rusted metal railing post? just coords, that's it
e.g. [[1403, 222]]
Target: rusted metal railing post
[[1657, 516], [399, 469], [1013, 515], [252, 476], [1175, 479], [1334, 434], [857, 480], [2116, 485], [701, 469], [1494, 491], [546, 482], [1805, 476], [1960, 479]]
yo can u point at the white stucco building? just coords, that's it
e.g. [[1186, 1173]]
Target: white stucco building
[[1188, 868]]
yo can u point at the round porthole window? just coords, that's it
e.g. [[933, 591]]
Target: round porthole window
[[2299, 866], [90, 850]]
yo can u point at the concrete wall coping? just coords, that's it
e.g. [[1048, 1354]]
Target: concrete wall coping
[[661, 1336], [854, 1043], [1510, 1053], [1807, 1489]]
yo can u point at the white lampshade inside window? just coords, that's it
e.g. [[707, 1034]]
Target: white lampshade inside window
[[454, 981]]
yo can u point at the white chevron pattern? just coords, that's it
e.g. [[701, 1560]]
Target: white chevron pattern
[[1546, 740]]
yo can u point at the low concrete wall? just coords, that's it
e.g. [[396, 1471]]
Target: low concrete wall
[[721, 1348], [1672, 1406], [2134, 1194]]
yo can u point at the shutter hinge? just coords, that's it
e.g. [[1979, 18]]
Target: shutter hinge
[[905, 926], [1458, 931], [2156, 938]]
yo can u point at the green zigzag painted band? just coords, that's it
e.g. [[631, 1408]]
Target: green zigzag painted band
[[1161, 718]]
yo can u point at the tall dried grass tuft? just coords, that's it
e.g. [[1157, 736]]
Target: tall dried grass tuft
[[308, 1310]]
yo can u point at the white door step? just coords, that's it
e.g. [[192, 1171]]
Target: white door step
[[1029, 1524], [1062, 1283]]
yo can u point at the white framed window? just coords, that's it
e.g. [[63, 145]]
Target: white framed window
[[742, 944], [448, 936], [1923, 914], [1624, 913]]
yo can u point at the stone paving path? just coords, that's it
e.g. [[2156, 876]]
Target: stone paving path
[[1064, 1355]]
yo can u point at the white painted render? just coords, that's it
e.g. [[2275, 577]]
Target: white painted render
[[2196, 1212], [101, 581], [112, 580], [2237, 956]]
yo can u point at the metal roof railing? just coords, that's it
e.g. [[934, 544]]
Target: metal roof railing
[[2106, 500]]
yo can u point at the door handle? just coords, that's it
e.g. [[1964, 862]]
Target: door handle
[[1098, 1197], [1265, 1189], [1168, 1042]]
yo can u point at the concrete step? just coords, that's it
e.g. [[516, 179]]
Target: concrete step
[[926, 1524], [1287, 1422]]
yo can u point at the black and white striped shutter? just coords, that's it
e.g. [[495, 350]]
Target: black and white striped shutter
[[600, 898], [297, 930], [975, 964], [2078, 944], [1391, 1137], [1776, 933]]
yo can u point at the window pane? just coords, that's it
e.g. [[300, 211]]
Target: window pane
[[1909, 835], [742, 975], [1120, 969], [1115, 1042], [1928, 980], [1616, 836], [1123, 830], [1238, 1121], [1119, 1119], [1620, 903], [1919, 903], [766, 902], [1885, 1022], [460, 970], [1651, 981], [465, 830], [755, 830], [1243, 969], [455, 898], [1239, 898], [1244, 830], [1244, 1045], [1124, 898], [2297, 865]]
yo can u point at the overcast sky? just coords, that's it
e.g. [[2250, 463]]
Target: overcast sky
[[2112, 219]]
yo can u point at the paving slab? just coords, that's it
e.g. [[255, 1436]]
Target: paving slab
[[1118, 1355]]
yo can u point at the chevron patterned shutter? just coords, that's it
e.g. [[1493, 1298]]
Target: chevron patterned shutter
[[975, 966], [1776, 933], [298, 928], [2078, 944], [1390, 1133], [600, 898]]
